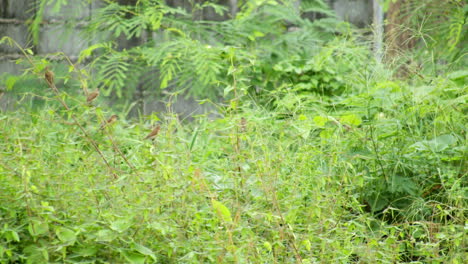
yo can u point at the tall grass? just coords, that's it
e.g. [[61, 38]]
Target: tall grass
[[356, 168], [383, 179]]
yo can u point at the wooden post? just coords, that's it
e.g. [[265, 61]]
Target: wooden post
[[378, 19]]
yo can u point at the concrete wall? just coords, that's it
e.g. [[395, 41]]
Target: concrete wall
[[57, 34], [358, 12]]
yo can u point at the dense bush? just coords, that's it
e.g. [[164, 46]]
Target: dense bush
[[180, 50], [375, 176], [317, 154]]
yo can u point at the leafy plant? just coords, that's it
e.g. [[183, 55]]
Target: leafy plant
[[347, 165], [437, 28], [186, 52]]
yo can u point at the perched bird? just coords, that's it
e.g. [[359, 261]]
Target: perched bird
[[243, 125], [154, 132], [92, 96], [49, 76], [109, 121]]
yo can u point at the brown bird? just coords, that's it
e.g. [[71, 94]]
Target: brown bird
[[49, 76], [92, 96], [243, 124], [109, 121], [154, 132]]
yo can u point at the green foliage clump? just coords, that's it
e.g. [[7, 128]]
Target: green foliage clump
[[179, 49], [377, 176], [332, 160]]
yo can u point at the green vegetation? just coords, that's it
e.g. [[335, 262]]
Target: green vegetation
[[318, 153]]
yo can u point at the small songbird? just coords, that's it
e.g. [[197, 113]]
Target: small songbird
[[109, 121], [49, 76], [154, 132], [243, 124], [92, 96]]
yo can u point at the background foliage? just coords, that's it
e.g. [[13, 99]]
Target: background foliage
[[318, 154], [201, 56]]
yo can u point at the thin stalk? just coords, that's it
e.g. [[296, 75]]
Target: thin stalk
[[50, 82]]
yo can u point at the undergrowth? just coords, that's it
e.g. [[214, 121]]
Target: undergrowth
[[378, 176], [317, 155]]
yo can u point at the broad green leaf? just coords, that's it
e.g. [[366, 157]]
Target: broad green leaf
[[401, 184], [12, 235], [442, 142], [120, 225], [227, 90], [38, 227], [165, 81], [86, 250], [437, 144], [320, 121], [326, 134], [258, 34], [352, 120], [35, 254], [66, 235], [134, 257], [304, 127], [394, 87], [10, 82], [233, 104], [307, 244], [105, 235], [222, 211], [144, 250], [267, 245], [46, 206], [456, 75]]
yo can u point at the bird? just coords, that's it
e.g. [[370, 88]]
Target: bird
[[109, 121], [92, 96], [49, 76], [243, 124], [154, 132]]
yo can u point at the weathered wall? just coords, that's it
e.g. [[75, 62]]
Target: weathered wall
[[12, 17], [358, 12], [56, 34]]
